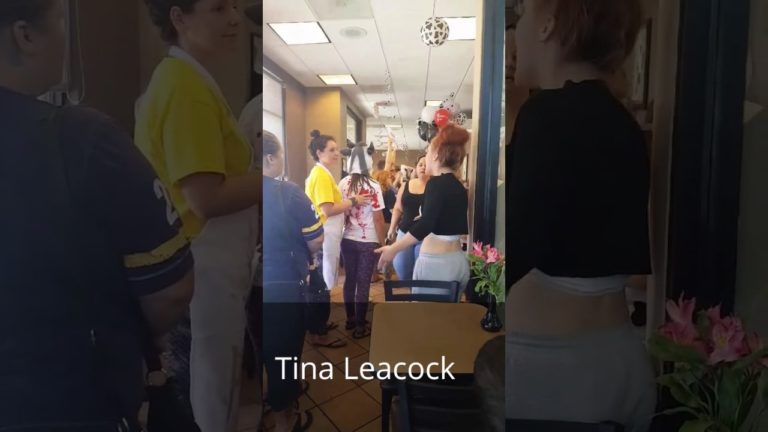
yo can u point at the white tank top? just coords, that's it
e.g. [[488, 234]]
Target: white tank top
[[596, 286]]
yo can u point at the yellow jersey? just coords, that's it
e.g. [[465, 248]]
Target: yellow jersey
[[184, 127], [321, 188]]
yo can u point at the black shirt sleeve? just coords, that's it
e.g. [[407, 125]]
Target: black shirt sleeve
[[434, 199], [140, 218]]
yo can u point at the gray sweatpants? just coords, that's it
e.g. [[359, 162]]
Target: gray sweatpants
[[452, 266], [605, 376]]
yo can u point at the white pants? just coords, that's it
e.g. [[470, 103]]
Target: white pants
[[333, 229], [224, 268]]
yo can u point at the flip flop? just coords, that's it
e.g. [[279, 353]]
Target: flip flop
[[336, 343], [304, 387], [350, 325], [332, 326], [300, 426], [361, 332]]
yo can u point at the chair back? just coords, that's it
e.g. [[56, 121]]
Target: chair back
[[428, 406], [515, 425], [449, 291]]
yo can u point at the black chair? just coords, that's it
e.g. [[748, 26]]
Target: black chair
[[428, 406], [449, 294], [514, 425]]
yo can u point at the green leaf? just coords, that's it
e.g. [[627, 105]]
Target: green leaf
[[680, 410], [751, 359], [698, 425], [680, 388], [729, 395], [666, 350]]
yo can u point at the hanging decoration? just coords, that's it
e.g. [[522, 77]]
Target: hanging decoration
[[427, 130], [442, 117], [428, 114], [460, 119], [434, 32], [451, 105]]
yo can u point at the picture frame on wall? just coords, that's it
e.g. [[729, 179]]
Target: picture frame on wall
[[641, 68]]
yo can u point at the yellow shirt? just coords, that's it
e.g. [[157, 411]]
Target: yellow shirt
[[184, 127], [321, 188]]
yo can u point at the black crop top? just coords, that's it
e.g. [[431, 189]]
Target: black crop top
[[578, 186], [444, 211], [411, 204]]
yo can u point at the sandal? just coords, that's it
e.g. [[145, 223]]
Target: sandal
[[361, 332], [351, 325], [300, 426], [304, 389], [336, 343], [332, 325]]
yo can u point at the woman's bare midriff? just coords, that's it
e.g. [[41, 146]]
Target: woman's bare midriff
[[533, 309], [434, 245]]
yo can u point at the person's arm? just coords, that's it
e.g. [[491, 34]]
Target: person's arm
[[212, 195], [143, 225], [397, 213]]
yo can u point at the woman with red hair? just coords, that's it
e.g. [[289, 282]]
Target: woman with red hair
[[577, 221], [443, 218]]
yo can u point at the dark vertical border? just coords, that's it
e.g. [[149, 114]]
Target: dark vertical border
[[706, 155], [488, 130]]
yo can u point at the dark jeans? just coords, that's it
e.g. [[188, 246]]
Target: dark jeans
[[318, 309], [360, 260], [283, 336]]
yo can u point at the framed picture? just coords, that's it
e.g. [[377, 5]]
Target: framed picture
[[641, 68]]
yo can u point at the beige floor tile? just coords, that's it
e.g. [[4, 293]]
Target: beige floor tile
[[351, 410], [305, 403], [337, 355], [373, 388], [321, 423], [364, 343], [324, 390], [374, 426], [313, 356]]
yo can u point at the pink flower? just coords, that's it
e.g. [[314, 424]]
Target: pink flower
[[492, 256], [682, 311], [756, 344], [728, 341], [477, 249], [714, 315], [684, 335]]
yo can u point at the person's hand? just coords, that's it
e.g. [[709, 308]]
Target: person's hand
[[392, 235], [363, 200], [387, 255]]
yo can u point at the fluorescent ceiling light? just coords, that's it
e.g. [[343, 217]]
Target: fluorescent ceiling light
[[394, 126], [433, 103], [461, 28], [300, 33], [338, 79]]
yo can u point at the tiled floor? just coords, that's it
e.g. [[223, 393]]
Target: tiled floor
[[341, 405]]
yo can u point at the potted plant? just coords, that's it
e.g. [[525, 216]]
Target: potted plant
[[487, 265], [720, 369]]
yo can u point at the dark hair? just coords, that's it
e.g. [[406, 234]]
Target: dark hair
[[489, 381], [31, 11], [357, 181], [160, 14], [602, 32], [318, 143], [450, 145], [270, 144]]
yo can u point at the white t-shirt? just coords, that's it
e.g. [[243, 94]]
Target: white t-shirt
[[358, 225]]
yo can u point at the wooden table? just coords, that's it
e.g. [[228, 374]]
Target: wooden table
[[422, 332]]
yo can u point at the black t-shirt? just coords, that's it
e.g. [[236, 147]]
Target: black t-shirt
[[578, 186], [444, 211], [85, 234]]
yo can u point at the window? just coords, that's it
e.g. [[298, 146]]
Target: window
[[274, 107]]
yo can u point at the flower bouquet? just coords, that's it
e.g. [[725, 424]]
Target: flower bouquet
[[719, 368], [487, 265]]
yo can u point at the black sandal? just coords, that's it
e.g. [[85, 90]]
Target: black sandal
[[299, 426], [361, 332]]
